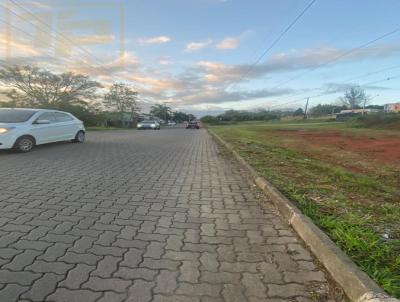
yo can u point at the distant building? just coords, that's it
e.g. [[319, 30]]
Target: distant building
[[350, 113], [394, 107]]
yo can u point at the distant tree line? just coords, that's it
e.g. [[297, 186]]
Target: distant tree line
[[33, 87], [242, 115], [354, 98], [165, 113]]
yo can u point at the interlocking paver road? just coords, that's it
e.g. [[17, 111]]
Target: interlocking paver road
[[143, 216]]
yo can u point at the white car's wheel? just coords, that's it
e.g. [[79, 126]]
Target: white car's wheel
[[79, 137], [24, 144]]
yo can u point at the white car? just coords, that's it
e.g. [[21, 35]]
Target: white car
[[143, 125], [22, 129]]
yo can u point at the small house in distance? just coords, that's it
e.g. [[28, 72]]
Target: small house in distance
[[347, 114], [393, 107]]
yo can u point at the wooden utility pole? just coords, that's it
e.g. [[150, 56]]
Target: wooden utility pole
[[305, 111]]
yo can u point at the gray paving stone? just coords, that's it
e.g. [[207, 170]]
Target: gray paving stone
[[189, 271], [112, 297], [177, 224], [132, 257], [22, 260], [89, 259], [233, 293], [140, 291], [41, 266], [11, 292], [111, 284], [136, 273], [155, 250], [54, 252], [21, 277], [77, 276], [253, 285], [166, 282], [287, 290], [200, 289], [42, 287], [106, 267], [67, 295]]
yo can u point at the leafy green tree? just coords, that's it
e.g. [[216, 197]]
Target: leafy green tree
[[209, 119], [179, 116], [34, 87], [298, 112], [161, 111], [325, 109], [122, 99], [354, 98]]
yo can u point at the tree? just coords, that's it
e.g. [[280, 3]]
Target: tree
[[191, 117], [325, 109], [161, 111], [298, 112], [353, 98], [122, 99], [33, 87], [179, 116], [209, 119]]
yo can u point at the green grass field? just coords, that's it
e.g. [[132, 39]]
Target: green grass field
[[346, 179]]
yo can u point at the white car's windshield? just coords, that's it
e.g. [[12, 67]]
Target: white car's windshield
[[15, 116]]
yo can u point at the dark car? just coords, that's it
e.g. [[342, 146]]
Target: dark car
[[193, 125]]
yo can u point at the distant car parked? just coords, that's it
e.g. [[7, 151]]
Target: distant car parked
[[153, 125], [171, 123], [193, 125], [22, 129]]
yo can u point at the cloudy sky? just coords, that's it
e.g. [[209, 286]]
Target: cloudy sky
[[200, 55]]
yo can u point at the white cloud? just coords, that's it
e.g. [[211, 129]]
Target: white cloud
[[164, 61], [154, 40], [233, 42], [229, 43], [195, 46]]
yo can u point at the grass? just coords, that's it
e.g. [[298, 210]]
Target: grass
[[358, 208]]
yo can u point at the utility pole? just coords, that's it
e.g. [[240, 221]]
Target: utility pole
[[305, 111], [365, 101]]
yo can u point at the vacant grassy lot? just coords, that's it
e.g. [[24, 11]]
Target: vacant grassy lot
[[346, 179]]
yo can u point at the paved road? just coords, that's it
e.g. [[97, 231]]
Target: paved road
[[143, 216]]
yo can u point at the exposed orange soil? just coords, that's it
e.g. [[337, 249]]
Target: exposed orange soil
[[384, 148]]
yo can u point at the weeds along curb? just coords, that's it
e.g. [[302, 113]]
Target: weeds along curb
[[357, 285]]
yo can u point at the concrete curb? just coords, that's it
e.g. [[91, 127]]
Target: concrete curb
[[357, 285]]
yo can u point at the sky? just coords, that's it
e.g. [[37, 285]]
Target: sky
[[206, 56]]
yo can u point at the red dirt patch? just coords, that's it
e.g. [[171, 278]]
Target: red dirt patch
[[386, 149]]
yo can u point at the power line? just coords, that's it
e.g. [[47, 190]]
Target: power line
[[337, 91], [276, 41], [339, 57], [372, 73], [350, 79]]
